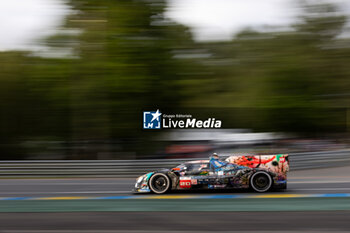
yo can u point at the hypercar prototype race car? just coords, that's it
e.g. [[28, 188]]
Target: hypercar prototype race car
[[261, 173]]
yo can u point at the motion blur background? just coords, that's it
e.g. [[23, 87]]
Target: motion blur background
[[76, 75]]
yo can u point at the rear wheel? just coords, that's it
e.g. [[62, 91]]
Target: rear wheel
[[261, 181], [159, 183]]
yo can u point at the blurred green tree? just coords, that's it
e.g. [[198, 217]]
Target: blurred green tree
[[285, 80], [121, 60]]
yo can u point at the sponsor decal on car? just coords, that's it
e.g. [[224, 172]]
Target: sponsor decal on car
[[194, 181], [185, 183], [281, 181], [220, 186]]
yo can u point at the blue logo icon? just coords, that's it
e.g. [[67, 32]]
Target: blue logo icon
[[151, 120]]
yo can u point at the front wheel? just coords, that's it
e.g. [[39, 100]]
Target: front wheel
[[159, 183], [261, 181]]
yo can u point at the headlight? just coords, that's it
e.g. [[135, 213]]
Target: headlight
[[139, 179]]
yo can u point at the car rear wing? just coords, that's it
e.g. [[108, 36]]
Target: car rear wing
[[275, 163]]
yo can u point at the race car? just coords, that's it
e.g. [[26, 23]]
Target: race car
[[260, 173]]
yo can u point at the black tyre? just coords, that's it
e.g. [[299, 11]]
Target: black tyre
[[260, 181], [159, 183]]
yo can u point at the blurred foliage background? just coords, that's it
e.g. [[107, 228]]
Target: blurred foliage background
[[125, 56]]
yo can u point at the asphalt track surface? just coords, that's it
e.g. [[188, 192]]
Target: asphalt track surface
[[328, 180], [176, 222], [316, 200]]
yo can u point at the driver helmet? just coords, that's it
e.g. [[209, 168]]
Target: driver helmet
[[214, 156]]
